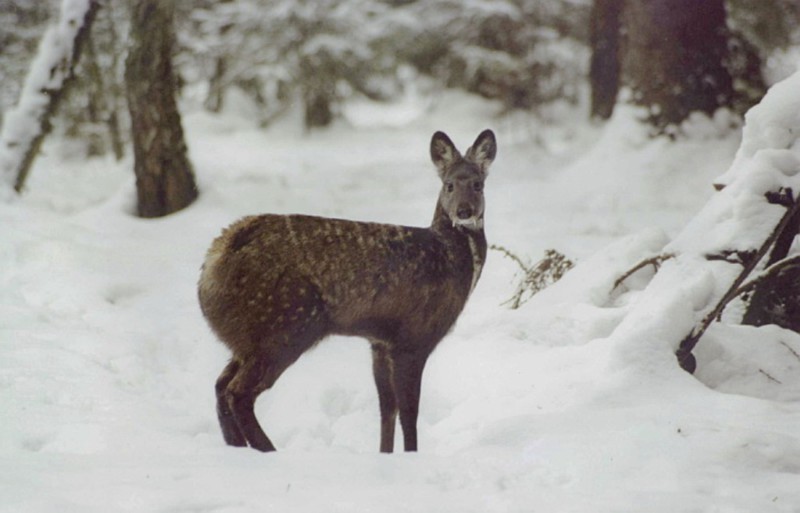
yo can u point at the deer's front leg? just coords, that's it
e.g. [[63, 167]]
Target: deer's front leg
[[407, 383]]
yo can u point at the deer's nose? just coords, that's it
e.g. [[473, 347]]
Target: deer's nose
[[464, 212]]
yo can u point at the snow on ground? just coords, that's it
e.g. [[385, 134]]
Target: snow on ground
[[107, 373]]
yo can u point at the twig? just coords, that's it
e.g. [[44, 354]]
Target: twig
[[769, 377], [512, 256], [787, 346], [655, 261]]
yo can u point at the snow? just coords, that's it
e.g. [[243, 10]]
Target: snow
[[572, 403]]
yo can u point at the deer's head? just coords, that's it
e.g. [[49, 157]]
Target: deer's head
[[461, 197]]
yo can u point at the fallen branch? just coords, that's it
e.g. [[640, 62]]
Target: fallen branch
[[783, 197]]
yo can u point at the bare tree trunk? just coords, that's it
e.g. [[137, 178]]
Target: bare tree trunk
[[673, 58], [216, 86], [164, 176], [218, 82], [318, 112], [604, 68], [101, 109], [105, 93], [26, 126]]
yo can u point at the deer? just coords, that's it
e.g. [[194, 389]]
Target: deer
[[273, 286]]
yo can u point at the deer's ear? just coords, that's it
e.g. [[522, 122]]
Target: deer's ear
[[443, 152], [483, 150]]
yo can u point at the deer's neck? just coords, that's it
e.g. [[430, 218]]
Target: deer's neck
[[467, 244]]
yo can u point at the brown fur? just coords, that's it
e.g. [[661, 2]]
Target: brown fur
[[273, 286]]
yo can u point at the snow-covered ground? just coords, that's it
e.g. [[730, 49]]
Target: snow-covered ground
[[107, 367]]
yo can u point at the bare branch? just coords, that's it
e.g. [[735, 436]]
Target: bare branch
[[655, 261]]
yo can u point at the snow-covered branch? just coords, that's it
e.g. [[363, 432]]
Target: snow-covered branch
[[742, 220]]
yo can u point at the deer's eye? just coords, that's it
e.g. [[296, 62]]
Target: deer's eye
[[477, 186], [449, 187]]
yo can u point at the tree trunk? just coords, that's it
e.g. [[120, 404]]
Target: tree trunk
[[216, 86], [164, 176], [101, 109], [218, 82], [104, 87], [673, 58], [318, 111], [604, 69]]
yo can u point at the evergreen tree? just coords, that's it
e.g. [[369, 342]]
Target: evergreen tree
[[673, 58]]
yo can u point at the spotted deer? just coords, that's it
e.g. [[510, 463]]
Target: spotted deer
[[272, 286]]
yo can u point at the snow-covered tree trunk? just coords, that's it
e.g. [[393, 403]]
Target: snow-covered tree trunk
[[47, 83], [727, 239]]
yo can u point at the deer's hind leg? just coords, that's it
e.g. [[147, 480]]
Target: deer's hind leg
[[293, 320], [227, 422], [259, 372], [252, 377]]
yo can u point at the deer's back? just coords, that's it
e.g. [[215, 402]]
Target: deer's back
[[367, 279]]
